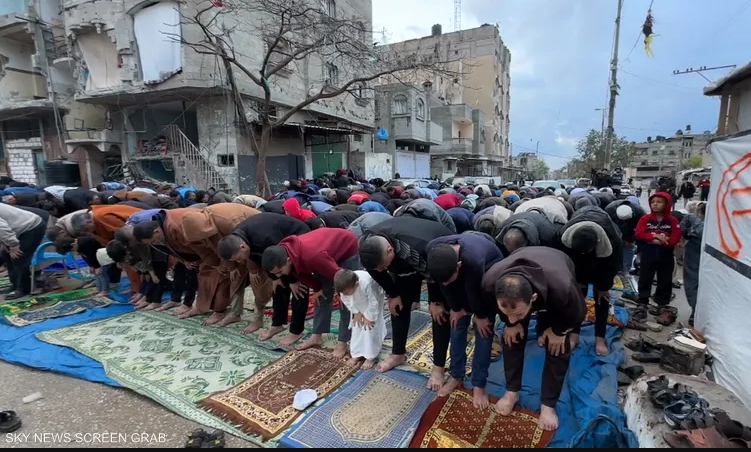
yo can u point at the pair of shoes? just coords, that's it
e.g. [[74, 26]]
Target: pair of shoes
[[627, 375], [199, 439], [644, 344], [6, 291], [733, 430], [662, 395], [9, 421], [708, 438], [689, 414], [640, 314], [15, 295]]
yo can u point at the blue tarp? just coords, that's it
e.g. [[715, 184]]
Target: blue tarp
[[588, 407], [19, 345]]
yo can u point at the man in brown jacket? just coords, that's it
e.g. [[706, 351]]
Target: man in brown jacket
[[193, 236]]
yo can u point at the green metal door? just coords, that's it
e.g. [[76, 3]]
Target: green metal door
[[327, 158], [39, 163]]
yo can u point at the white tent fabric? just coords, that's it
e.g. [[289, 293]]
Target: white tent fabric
[[158, 34], [724, 302]]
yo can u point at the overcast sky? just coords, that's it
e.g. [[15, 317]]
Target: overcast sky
[[560, 53]]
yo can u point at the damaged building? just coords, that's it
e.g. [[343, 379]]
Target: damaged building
[[148, 105]]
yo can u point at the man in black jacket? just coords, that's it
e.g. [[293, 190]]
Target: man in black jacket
[[340, 219], [531, 228], [626, 216], [245, 247], [538, 280], [686, 191], [457, 264], [395, 254], [594, 243]]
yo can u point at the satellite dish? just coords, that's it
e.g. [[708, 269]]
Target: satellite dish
[[382, 134]]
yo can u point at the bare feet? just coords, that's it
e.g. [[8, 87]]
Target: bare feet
[[141, 304], [506, 405], [369, 364], [480, 398], [253, 327], [436, 378], [271, 332], [214, 319], [192, 312], [392, 362], [353, 362], [182, 309], [229, 320], [169, 305], [152, 307], [315, 340], [548, 419], [449, 387], [137, 298], [601, 347], [341, 350], [103, 293], [574, 341], [289, 340]]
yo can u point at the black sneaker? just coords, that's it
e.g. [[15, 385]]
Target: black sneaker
[[15, 295], [640, 315], [6, 291]]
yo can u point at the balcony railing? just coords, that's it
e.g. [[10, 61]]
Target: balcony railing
[[462, 141]]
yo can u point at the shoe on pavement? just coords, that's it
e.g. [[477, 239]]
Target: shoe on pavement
[[15, 295]]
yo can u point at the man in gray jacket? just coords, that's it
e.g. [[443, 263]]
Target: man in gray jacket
[[21, 233]]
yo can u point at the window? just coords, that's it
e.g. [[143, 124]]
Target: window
[[420, 109], [358, 137], [400, 104], [225, 160], [359, 91], [449, 165], [654, 152], [329, 8], [332, 74], [279, 54]]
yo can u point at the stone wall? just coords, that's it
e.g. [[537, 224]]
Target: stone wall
[[21, 159]]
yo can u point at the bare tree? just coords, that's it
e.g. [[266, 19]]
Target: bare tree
[[297, 35]]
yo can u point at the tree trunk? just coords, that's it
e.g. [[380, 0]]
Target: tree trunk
[[264, 189]]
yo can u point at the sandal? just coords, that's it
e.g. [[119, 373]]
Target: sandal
[[643, 344], [708, 438], [215, 440], [667, 317], [196, 439], [683, 415], [9, 421], [730, 428], [654, 357]]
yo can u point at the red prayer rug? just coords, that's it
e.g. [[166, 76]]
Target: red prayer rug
[[311, 308], [453, 422]]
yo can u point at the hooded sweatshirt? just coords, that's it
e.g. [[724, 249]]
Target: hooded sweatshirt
[[319, 252], [292, 207], [553, 278], [650, 225], [448, 201]]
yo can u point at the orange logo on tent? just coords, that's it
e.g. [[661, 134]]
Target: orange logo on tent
[[730, 242]]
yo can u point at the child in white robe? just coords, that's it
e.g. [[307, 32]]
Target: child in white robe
[[365, 300]]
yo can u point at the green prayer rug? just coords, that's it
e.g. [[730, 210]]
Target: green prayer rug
[[42, 307], [176, 363]]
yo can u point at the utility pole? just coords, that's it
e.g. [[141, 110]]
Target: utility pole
[[602, 136], [613, 87], [703, 69]]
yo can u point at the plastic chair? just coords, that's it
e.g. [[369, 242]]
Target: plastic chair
[[43, 259]]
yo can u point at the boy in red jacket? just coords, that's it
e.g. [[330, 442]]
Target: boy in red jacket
[[657, 233], [314, 259]]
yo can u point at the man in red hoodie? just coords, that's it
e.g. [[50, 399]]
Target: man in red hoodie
[[657, 233], [314, 258]]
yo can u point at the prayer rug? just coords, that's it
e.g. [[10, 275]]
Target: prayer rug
[[625, 284], [419, 321], [4, 282], [373, 410], [454, 423], [590, 318], [420, 352], [176, 363], [28, 312], [262, 404]]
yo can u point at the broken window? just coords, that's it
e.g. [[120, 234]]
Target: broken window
[[158, 35], [225, 160], [101, 61], [332, 74], [329, 8], [400, 104]]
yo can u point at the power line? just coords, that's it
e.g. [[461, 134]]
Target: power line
[[659, 81]]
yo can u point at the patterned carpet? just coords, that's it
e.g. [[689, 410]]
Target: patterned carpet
[[263, 404], [42, 307], [453, 422], [625, 284], [373, 410], [173, 362]]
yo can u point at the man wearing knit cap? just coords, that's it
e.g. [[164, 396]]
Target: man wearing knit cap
[[626, 216]]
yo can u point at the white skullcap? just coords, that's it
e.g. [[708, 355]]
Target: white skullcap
[[624, 212]]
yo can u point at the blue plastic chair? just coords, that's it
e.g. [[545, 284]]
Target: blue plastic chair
[[43, 259]]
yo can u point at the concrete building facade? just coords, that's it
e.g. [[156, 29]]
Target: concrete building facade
[[167, 112], [734, 91], [668, 155], [474, 105]]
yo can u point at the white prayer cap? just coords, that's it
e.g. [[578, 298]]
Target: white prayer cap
[[624, 212]]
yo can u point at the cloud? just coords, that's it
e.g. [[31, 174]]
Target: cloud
[[566, 141]]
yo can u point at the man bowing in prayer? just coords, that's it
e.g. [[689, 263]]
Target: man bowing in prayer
[[536, 280], [457, 264], [314, 259]]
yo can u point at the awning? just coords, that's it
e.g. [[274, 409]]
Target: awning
[[27, 108], [738, 75]]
